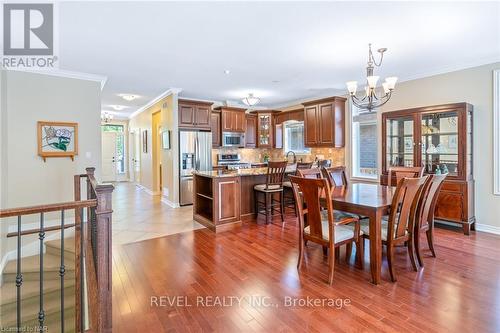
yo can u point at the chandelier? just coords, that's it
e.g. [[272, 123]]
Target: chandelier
[[106, 117], [370, 100], [251, 100]]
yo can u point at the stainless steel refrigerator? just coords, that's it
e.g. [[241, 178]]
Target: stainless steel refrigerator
[[195, 153]]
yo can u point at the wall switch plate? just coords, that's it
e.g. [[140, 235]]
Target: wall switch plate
[[88, 154]]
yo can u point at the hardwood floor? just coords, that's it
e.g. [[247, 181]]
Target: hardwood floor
[[457, 291]]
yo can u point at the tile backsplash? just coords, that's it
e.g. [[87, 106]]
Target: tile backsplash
[[337, 155]]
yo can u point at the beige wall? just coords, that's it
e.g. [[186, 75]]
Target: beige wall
[[475, 86], [169, 158], [27, 98]]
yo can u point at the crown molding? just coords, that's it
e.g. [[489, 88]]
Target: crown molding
[[66, 74], [170, 91]]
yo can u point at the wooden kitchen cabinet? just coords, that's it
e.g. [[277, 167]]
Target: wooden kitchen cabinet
[[233, 119], [215, 124], [324, 122], [194, 114], [435, 137], [251, 131]]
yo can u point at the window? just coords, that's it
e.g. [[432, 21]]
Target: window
[[120, 145], [364, 152], [294, 137]]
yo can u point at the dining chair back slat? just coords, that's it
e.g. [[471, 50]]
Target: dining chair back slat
[[398, 173], [404, 207], [336, 176], [314, 173]]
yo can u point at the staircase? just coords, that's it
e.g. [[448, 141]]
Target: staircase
[[30, 290]]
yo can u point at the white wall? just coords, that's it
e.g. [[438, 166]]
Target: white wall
[[474, 86], [27, 98]]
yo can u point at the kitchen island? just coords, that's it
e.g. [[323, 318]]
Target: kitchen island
[[223, 199]]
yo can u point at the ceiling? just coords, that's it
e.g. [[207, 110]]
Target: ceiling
[[280, 51]]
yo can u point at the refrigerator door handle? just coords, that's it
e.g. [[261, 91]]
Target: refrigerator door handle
[[195, 164], [198, 153]]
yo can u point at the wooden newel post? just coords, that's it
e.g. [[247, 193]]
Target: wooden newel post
[[102, 250], [103, 256]]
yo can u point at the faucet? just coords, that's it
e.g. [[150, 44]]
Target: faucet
[[294, 156]]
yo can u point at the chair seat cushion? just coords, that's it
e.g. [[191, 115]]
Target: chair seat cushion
[[271, 188], [365, 227], [342, 232], [287, 184]]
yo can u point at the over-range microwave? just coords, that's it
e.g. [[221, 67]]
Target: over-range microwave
[[233, 139]]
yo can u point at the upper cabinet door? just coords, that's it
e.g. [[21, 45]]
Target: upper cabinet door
[[227, 121], [326, 121], [251, 132], [239, 121], [310, 125], [215, 128], [202, 116], [264, 130], [339, 130], [186, 115]]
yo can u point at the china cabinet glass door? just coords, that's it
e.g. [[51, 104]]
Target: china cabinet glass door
[[439, 144], [400, 142]]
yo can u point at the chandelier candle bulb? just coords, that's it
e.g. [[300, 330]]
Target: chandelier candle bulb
[[391, 82], [372, 81], [352, 86]]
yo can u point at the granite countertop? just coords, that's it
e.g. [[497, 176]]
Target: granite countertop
[[240, 172]]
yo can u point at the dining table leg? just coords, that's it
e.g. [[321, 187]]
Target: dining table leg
[[375, 245]]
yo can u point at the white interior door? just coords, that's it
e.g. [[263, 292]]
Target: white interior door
[[109, 156], [131, 149]]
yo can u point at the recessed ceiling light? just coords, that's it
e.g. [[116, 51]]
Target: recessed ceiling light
[[276, 81], [118, 107], [128, 97], [227, 71]]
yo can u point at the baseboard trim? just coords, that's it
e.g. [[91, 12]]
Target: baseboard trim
[[169, 203], [147, 190], [488, 228]]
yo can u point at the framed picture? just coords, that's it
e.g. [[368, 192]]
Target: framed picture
[[145, 141], [57, 139], [165, 139]]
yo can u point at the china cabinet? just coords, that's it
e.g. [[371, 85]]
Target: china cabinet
[[439, 138]]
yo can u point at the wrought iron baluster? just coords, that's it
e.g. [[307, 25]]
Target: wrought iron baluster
[[41, 237], [19, 276], [62, 271], [82, 272]]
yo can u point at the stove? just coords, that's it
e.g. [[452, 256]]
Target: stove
[[232, 161]]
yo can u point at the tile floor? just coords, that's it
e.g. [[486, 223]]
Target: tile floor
[[138, 216]]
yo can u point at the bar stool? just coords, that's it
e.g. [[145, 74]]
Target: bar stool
[[273, 185], [287, 187]]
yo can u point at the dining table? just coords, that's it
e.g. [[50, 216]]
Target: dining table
[[372, 201]]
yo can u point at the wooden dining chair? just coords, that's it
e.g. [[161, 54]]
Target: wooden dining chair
[[336, 176], [314, 173], [273, 185], [324, 163], [321, 227], [287, 186], [425, 213], [397, 173], [398, 226]]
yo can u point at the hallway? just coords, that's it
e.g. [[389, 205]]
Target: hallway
[[139, 216]]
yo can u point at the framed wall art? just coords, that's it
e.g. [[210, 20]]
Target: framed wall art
[[57, 139]]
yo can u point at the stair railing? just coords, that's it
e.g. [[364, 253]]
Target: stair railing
[[95, 249]]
